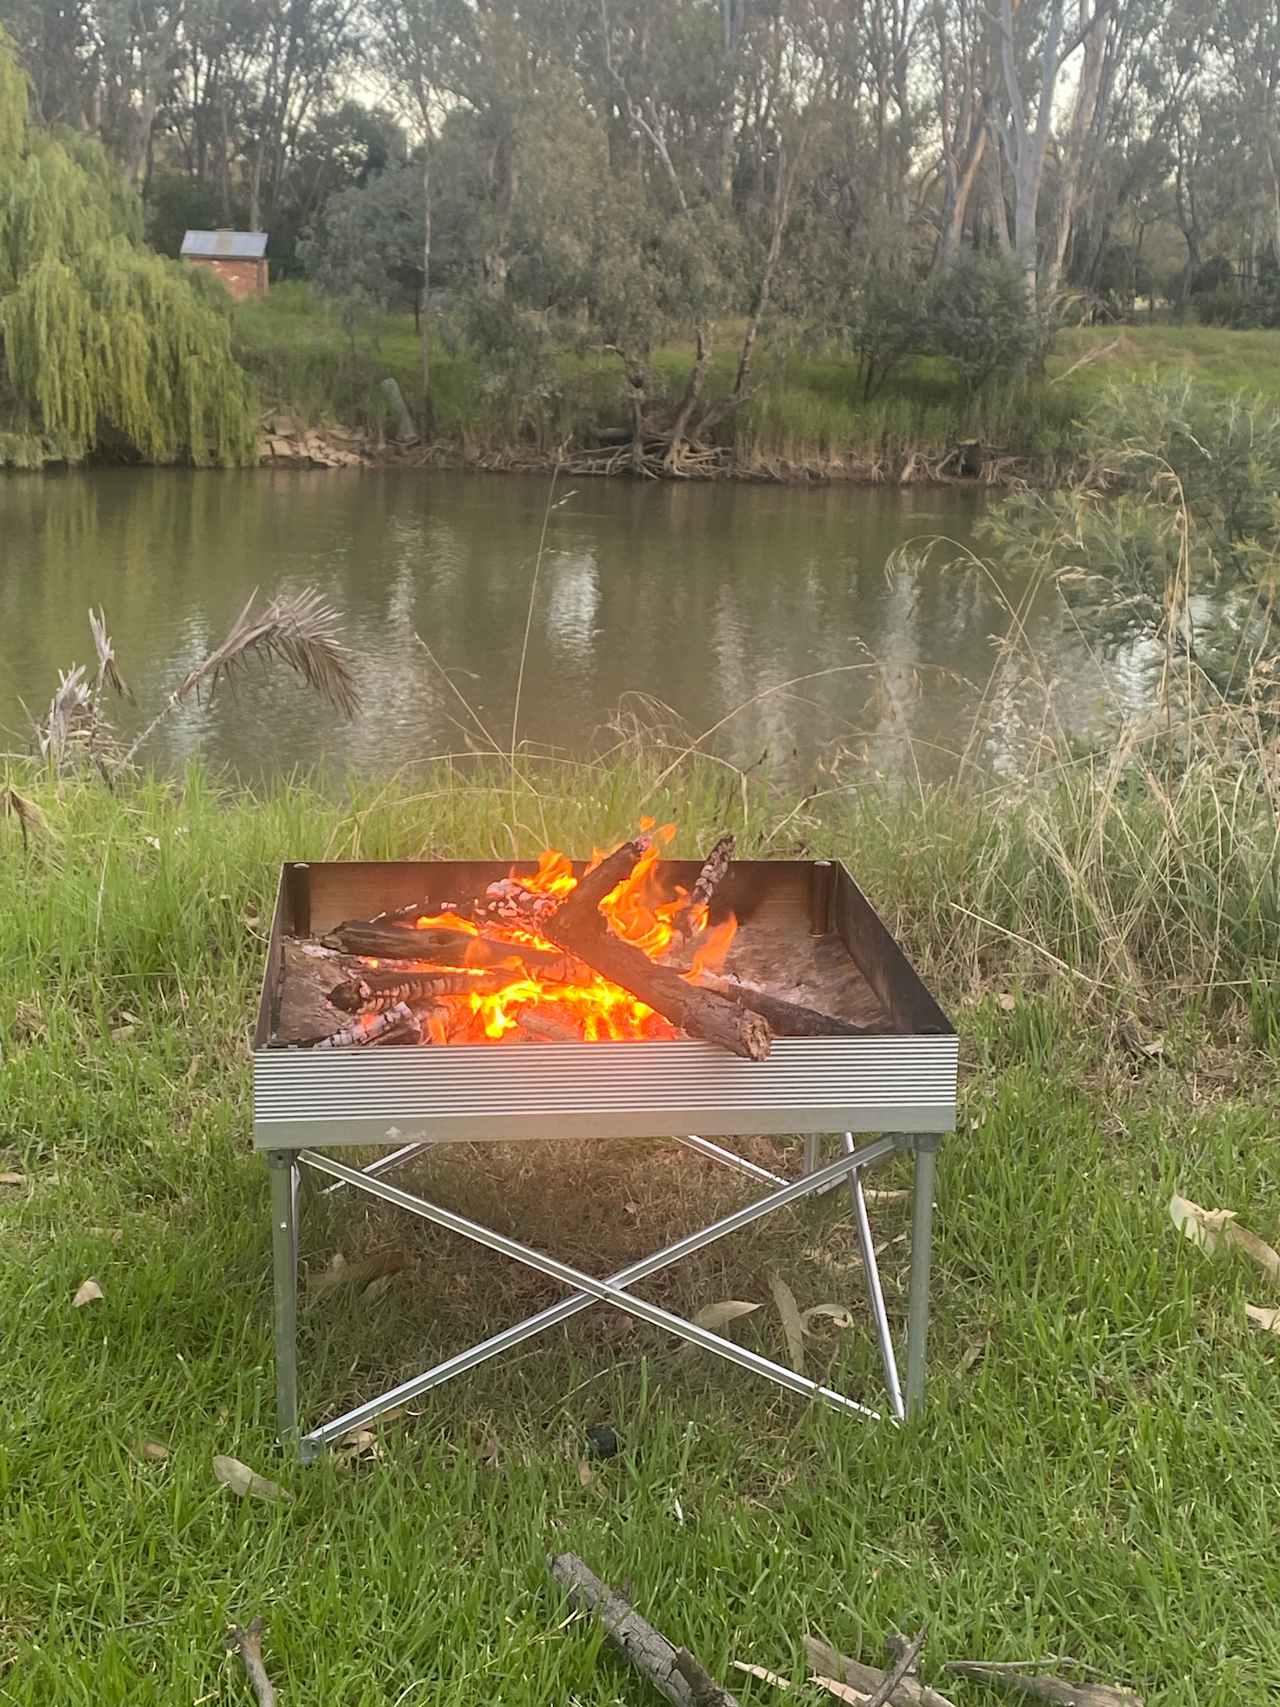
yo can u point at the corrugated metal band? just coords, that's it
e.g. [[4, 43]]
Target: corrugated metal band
[[604, 1090]]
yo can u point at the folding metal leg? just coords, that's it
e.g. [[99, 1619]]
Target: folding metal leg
[[284, 1246], [866, 1246], [392, 1159], [587, 1290], [925, 1146]]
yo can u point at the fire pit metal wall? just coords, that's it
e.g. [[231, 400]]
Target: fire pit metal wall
[[804, 926]]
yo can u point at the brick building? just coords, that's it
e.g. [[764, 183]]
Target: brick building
[[239, 258]]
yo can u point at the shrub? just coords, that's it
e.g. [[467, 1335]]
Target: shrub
[[890, 324], [979, 318]]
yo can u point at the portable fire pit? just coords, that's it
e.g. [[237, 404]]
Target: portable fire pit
[[413, 1004]]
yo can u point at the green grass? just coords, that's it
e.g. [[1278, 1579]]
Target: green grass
[[1096, 1476], [808, 410]]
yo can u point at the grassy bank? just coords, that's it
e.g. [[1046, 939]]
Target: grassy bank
[[808, 412], [1096, 1476]]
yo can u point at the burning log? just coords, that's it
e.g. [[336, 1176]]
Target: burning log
[[707, 882], [377, 992], [545, 1028], [367, 936], [441, 947], [369, 1029], [786, 1019], [576, 925]]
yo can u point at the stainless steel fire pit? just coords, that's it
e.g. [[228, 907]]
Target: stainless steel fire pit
[[805, 926]]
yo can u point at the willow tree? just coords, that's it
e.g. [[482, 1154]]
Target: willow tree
[[106, 346]]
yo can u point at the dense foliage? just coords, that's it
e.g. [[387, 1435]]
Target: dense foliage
[[1168, 544], [106, 346]]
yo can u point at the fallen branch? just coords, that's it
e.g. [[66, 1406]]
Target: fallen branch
[[672, 1671], [248, 1643], [1043, 1688], [907, 1690], [905, 1664]]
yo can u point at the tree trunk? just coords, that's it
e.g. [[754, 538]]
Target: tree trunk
[[424, 329], [689, 402], [1074, 170], [956, 199]]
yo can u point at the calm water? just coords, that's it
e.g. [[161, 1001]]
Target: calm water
[[669, 601]]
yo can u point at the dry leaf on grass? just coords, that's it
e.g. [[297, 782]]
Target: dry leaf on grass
[[359, 1446], [792, 1326], [366, 1274], [717, 1316], [1267, 1320], [28, 1023], [1211, 1228], [1006, 1002], [13, 1179], [246, 1482], [88, 1292], [835, 1314], [586, 1475], [151, 1451]]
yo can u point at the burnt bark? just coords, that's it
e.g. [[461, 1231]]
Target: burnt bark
[[786, 1019], [379, 992], [578, 927]]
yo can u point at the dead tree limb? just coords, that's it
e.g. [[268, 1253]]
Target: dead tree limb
[[248, 1644], [904, 1664], [1042, 1688], [907, 1691], [672, 1671]]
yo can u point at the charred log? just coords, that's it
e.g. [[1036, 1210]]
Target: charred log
[[376, 992], [540, 1027], [441, 947], [786, 1019], [368, 1029], [578, 927]]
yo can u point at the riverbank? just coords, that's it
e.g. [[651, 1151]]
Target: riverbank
[[1101, 1428], [807, 420]]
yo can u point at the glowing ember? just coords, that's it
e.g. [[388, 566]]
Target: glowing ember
[[569, 999]]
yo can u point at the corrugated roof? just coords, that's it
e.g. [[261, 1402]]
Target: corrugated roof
[[226, 245]]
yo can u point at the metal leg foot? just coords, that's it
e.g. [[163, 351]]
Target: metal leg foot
[[284, 1248], [925, 1146]]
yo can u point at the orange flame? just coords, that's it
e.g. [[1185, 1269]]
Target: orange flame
[[565, 996]]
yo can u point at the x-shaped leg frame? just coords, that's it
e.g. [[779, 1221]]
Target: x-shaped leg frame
[[586, 1289]]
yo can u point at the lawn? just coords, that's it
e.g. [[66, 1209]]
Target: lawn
[[808, 409], [1096, 1475]]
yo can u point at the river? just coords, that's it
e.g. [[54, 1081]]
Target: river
[[656, 604]]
